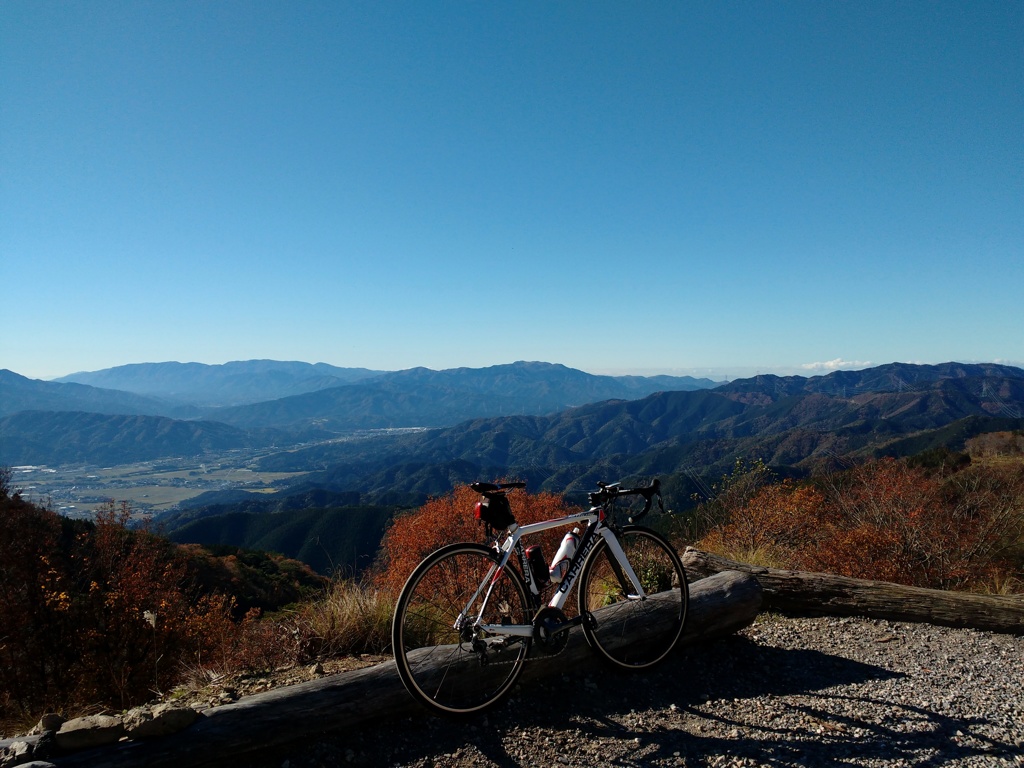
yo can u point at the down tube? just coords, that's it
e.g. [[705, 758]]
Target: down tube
[[613, 544]]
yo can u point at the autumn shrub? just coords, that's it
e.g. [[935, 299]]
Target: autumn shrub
[[729, 497], [888, 520], [997, 445], [988, 503], [35, 662], [905, 524], [448, 519], [772, 526], [98, 615]]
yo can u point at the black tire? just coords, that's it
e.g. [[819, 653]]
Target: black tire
[[611, 618], [448, 671]]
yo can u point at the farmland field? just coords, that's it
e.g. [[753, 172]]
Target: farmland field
[[78, 491]]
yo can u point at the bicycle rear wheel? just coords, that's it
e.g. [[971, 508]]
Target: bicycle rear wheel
[[442, 661], [627, 631]]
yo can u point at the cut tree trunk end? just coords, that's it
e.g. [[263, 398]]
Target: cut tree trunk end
[[802, 592]]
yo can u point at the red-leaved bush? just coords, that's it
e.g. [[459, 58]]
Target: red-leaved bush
[[889, 521], [96, 614], [449, 519]]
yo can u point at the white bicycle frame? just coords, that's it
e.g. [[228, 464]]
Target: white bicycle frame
[[594, 516]]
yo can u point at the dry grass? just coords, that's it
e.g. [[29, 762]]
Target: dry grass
[[764, 556], [350, 618], [1002, 583]]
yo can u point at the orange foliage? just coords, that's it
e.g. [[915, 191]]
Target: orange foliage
[[888, 521], [885, 521], [450, 519], [104, 615], [779, 518]]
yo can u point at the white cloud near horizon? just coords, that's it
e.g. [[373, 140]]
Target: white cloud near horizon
[[836, 365]]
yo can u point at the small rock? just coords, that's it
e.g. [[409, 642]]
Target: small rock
[[19, 751], [91, 731], [51, 721], [46, 746], [163, 719]]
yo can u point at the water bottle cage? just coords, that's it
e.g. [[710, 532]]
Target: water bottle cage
[[564, 555], [538, 567]]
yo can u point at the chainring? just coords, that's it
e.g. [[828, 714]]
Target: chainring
[[545, 639]]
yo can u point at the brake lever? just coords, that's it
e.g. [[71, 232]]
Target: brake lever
[[649, 494]]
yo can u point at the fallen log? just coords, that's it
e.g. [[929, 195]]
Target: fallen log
[[803, 592], [719, 605]]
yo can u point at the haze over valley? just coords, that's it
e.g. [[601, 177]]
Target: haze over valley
[[171, 437]]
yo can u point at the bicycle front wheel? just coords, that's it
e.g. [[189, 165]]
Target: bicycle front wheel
[[443, 661], [629, 631]]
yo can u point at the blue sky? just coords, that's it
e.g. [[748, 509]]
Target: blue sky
[[703, 187]]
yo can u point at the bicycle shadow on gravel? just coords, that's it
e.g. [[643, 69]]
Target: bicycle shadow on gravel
[[729, 700]]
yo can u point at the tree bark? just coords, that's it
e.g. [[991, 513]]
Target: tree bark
[[719, 605], [802, 592]]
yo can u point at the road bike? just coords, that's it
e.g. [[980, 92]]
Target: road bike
[[470, 615]]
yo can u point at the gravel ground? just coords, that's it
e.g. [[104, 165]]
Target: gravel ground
[[784, 692]]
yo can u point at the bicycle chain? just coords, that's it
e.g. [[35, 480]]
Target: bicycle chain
[[536, 650]]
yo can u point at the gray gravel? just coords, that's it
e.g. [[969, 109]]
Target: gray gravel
[[784, 692]]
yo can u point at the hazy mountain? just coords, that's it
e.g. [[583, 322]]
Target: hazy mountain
[[673, 432], [893, 377], [557, 386], [59, 437], [420, 397], [19, 393], [235, 383], [294, 395]]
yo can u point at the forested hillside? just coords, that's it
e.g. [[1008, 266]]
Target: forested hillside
[[50, 437], [335, 541], [794, 425]]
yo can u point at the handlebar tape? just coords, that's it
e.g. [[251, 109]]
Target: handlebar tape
[[608, 492], [654, 489]]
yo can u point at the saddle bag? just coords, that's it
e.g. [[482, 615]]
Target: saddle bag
[[495, 511]]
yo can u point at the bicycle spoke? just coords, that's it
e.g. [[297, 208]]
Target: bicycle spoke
[[456, 671], [627, 631]]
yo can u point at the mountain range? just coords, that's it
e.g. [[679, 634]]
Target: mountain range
[[687, 438], [558, 427], [793, 423], [46, 423]]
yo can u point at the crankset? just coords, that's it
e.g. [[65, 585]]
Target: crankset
[[551, 630]]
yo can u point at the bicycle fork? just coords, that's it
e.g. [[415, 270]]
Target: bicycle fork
[[623, 570]]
